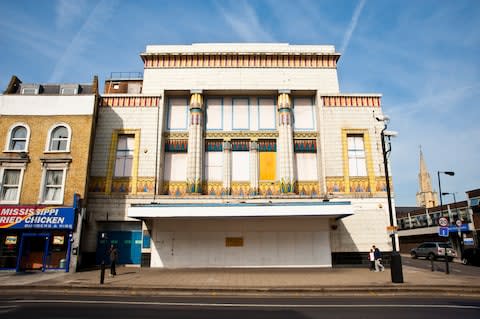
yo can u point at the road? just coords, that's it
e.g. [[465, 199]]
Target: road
[[63, 306], [439, 265]]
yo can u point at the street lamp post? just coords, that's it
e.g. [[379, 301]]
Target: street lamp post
[[449, 173], [396, 271]]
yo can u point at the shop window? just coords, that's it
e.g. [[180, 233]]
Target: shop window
[[10, 187], [59, 139], [57, 251], [18, 138], [9, 243], [356, 155]]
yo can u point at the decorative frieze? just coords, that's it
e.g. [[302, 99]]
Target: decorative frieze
[[305, 146], [97, 184], [176, 189], [267, 145], [242, 135], [307, 188], [176, 146], [351, 101], [130, 101], [240, 145], [310, 61], [213, 145], [241, 189], [335, 184]]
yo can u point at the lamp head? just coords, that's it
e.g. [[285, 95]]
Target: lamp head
[[446, 194], [390, 133], [449, 173], [382, 118]]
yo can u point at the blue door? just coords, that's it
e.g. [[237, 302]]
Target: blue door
[[128, 243]]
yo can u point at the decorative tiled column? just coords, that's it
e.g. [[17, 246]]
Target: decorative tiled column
[[285, 143], [227, 168], [195, 143], [254, 169]]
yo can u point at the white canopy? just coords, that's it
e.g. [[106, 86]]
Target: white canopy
[[277, 209]]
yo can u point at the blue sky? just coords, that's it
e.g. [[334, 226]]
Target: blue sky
[[423, 56]]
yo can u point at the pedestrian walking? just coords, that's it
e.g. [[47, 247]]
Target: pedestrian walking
[[378, 259], [371, 258], [113, 260]]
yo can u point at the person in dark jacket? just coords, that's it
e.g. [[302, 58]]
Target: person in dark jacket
[[378, 259], [113, 260]]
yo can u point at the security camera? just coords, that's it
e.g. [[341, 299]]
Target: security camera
[[390, 133]]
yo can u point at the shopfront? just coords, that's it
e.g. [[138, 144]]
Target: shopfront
[[35, 238]]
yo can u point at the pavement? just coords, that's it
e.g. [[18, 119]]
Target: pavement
[[242, 281]]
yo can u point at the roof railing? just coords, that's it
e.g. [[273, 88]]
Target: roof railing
[[125, 76]]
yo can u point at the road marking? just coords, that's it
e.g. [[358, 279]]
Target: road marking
[[7, 309], [231, 305]]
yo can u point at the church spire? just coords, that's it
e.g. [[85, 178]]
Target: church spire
[[426, 197]]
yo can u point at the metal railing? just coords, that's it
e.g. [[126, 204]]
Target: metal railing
[[125, 76], [431, 219]]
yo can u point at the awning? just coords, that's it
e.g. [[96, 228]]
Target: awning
[[277, 209]]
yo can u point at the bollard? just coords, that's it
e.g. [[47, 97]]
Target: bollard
[[102, 273], [431, 261]]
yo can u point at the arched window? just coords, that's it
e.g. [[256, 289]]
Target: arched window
[[18, 138], [59, 139]]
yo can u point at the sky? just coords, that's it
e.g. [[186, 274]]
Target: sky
[[422, 56]]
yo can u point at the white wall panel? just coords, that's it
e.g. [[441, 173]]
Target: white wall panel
[[177, 114], [46, 105], [267, 243], [306, 166], [267, 114], [240, 113], [175, 167], [213, 166], [240, 166], [304, 114], [324, 80], [214, 113]]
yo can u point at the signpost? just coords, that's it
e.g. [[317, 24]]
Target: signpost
[[443, 221], [443, 231]]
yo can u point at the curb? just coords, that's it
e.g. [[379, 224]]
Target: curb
[[439, 290]]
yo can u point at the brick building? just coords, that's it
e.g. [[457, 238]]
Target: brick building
[[237, 155], [46, 131]]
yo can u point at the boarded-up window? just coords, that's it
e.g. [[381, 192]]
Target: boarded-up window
[[241, 113], [268, 159], [213, 166], [266, 114], [177, 114], [304, 115], [214, 114], [306, 164], [175, 167]]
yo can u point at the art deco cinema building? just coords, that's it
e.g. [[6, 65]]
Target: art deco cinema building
[[236, 155]]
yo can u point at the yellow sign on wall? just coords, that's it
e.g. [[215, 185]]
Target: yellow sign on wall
[[268, 166], [234, 242]]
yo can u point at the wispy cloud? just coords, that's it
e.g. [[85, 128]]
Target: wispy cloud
[[352, 26], [245, 22], [68, 11], [83, 39], [32, 37]]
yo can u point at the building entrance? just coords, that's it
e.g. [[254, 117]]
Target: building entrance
[[33, 251]]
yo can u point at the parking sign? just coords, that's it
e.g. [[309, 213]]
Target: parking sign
[[443, 231]]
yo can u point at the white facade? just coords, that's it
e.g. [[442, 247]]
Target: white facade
[[233, 126]]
